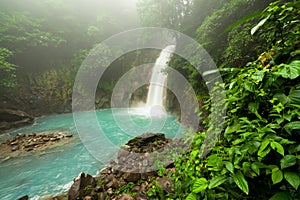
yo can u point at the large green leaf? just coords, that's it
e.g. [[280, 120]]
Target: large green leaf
[[250, 86], [263, 150], [255, 168], [215, 182], [281, 97], [191, 196], [278, 147], [293, 179], [294, 97], [290, 71], [233, 127], [281, 196], [229, 166], [277, 176], [200, 185], [288, 161], [240, 181], [289, 127]]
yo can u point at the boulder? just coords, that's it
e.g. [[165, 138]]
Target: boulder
[[79, 186], [10, 119], [146, 142]]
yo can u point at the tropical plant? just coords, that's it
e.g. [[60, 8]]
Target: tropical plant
[[257, 155]]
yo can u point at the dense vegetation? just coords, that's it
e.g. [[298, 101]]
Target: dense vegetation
[[257, 154]]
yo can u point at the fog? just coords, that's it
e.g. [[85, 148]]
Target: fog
[[48, 33]]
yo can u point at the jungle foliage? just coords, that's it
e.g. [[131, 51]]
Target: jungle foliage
[[257, 153]]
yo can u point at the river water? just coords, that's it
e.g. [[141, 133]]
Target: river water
[[53, 171]]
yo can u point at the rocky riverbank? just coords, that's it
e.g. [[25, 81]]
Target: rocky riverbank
[[133, 174], [22, 144], [11, 119]]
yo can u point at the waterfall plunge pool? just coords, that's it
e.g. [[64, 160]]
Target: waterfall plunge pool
[[53, 172]]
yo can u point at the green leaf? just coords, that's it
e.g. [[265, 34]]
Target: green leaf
[[191, 196], [281, 196], [294, 97], [288, 161], [293, 179], [253, 107], [233, 127], [241, 182], [200, 185], [229, 166], [251, 87], [215, 182], [281, 97], [278, 147], [290, 71], [277, 176], [255, 168], [262, 152], [289, 127]]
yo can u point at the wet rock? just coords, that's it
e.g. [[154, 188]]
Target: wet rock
[[14, 142], [114, 184], [124, 197], [68, 135], [110, 191], [54, 139], [131, 177], [24, 197], [105, 171], [166, 184], [79, 186], [101, 196], [140, 196], [15, 148], [136, 188]]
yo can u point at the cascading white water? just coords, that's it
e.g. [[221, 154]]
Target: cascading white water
[[156, 92]]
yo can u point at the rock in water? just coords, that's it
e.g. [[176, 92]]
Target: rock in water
[[146, 140], [24, 197], [78, 189]]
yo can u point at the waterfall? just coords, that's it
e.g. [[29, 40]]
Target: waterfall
[[157, 89]]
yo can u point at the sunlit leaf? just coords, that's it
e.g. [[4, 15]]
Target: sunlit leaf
[[191, 196], [241, 182], [262, 148], [293, 179], [277, 176], [278, 147], [288, 161], [200, 185], [229, 166], [215, 182], [289, 127]]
